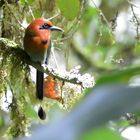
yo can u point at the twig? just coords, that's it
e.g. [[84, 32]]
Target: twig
[[114, 22], [104, 18], [53, 55], [101, 13], [31, 12], [135, 5], [54, 16], [135, 20], [73, 76], [74, 26]]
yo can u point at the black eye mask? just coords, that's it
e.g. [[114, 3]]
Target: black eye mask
[[45, 26]]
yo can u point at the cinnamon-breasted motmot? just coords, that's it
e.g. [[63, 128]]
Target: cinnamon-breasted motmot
[[37, 44]]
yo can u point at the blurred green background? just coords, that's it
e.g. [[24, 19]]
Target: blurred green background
[[102, 36]]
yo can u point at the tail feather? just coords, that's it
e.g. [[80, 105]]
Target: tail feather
[[39, 85], [41, 113]]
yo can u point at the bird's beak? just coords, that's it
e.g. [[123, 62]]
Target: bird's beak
[[55, 28]]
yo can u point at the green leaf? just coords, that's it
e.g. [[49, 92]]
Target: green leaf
[[90, 13], [69, 8], [30, 1], [23, 2], [2, 123], [118, 76], [102, 134], [30, 112], [37, 13]]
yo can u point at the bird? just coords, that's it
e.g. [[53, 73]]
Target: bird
[[37, 45]]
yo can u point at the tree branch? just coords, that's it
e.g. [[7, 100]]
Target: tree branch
[[72, 76]]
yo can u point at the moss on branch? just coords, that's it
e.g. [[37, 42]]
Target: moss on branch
[[72, 76]]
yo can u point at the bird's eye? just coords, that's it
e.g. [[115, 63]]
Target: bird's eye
[[45, 26]]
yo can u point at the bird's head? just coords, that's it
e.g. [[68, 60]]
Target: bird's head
[[38, 38], [47, 25], [43, 24]]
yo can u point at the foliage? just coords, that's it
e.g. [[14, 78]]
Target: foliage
[[95, 37]]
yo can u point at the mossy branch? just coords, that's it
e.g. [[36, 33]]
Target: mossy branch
[[72, 76]]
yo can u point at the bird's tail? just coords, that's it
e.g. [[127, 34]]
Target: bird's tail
[[40, 92], [39, 85]]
